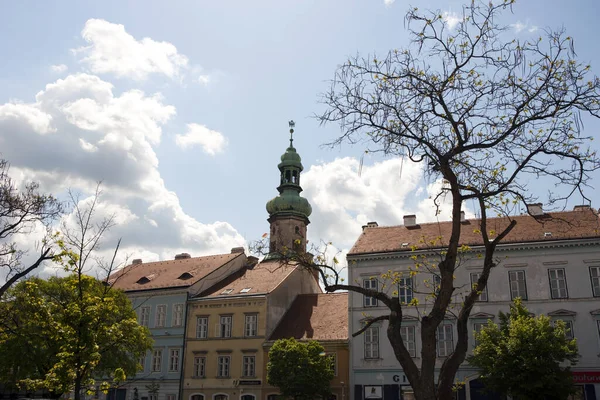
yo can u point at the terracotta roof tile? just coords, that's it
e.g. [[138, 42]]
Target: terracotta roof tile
[[581, 223], [260, 279], [166, 274], [318, 316]]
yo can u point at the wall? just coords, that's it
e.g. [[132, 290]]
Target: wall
[[279, 301], [236, 347], [533, 259]]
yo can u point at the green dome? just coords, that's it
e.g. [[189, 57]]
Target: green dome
[[289, 202], [291, 158]]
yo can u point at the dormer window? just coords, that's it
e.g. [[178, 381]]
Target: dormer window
[[245, 290], [185, 275], [227, 291], [145, 279]]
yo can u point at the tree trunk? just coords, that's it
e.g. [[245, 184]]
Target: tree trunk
[[77, 390]]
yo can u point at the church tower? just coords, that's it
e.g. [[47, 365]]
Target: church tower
[[289, 212]]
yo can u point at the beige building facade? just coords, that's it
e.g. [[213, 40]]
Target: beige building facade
[[227, 326]]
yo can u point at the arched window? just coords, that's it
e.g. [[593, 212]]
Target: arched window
[[297, 230], [197, 397], [288, 177], [248, 397], [273, 397], [220, 397], [295, 177]]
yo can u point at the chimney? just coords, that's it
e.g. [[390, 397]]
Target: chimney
[[251, 262], [410, 221], [136, 261], [581, 207], [535, 209], [237, 250], [371, 224], [182, 256]]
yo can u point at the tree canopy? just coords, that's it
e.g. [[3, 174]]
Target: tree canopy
[[525, 357], [485, 113], [57, 340], [301, 371]]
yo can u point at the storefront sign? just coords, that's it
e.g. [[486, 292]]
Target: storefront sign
[[586, 377], [251, 383]]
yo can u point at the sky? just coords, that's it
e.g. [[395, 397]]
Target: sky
[[181, 109]]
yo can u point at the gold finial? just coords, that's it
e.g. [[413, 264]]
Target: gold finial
[[292, 124]]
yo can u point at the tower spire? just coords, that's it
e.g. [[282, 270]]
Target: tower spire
[[292, 124], [289, 212]]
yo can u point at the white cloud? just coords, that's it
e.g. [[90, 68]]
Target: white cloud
[[212, 142], [112, 50], [35, 118], [451, 19], [388, 2], [521, 26], [204, 79], [78, 132], [343, 201], [59, 68]]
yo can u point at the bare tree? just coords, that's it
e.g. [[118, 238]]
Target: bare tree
[[485, 113], [21, 211]]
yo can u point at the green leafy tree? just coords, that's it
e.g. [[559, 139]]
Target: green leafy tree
[[525, 357], [59, 341], [75, 328], [300, 370]]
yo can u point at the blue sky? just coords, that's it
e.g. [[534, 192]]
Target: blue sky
[[181, 108]]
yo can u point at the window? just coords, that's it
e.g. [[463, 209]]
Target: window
[[437, 282], [161, 316], [142, 362], [248, 397], [477, 326], [370, 284], [223, 367], [518, 286], [408, 337], [177, 315], [405, 290], [483, 296], [445, 340], [558, 283], [199, 367], [333, 360], [197, 397], [372, 342], [153, 397], [156, 360], [249, 366], [171, 397], [595, 277], [201, 327], [224, 327], [144, 315], [174, 360], [220, 397], [250, 325], [569, 334]]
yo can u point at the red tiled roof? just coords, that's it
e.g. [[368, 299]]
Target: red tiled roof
[[318, 316], [165, 274], [263, 278], [578, 224]]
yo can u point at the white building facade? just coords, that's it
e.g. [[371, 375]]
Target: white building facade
[[551, 261]]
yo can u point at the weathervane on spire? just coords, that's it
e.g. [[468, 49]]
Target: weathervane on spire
[[291, 124]]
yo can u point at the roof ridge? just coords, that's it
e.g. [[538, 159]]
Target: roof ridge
[[479, 219]]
